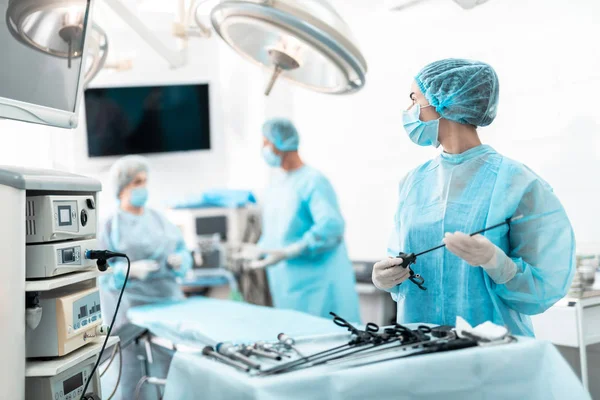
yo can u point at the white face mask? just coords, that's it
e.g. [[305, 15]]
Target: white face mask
[[420, 132]]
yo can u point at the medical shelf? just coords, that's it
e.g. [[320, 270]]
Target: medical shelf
[[44, 285], [56, 366]]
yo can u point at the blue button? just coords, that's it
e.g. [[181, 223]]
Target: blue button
[[84, 322], [94, 318], [77, 325]]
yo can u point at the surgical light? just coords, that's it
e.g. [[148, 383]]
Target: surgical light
[[54, 27], [306, 42], [97, 53]]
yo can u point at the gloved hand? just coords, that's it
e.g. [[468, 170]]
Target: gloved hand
[[251, 252], [478, 251], [272, 258], [294, 250], [141, 269], [475, 250], [275, 256], [388, 273], [174, 261]]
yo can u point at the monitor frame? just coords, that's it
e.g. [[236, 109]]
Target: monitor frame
[[34, 113]]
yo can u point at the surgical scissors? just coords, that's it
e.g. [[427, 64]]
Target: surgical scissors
[[369, 332], [358, 338], [396, 334]]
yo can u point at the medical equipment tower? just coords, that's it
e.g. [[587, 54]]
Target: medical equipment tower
[[18, 186]]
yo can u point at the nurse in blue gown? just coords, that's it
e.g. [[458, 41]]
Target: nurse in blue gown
[[158, 257], [504, 275]]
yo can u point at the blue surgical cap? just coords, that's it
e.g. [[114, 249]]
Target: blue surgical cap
[[282, 133], [124, 171], [463, 91]]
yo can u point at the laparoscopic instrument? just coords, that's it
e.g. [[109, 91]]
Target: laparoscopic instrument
[[364, 347], [411, 258]]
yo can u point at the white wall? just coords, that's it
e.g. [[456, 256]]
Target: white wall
[[26, 145]]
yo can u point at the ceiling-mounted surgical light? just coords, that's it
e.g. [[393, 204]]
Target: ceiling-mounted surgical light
[[52, 26], [306, 42], [97, 53]]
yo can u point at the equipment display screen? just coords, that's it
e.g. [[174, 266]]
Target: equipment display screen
[[147, 119], [64, 216], [73, 383], [95, 308], [86, 310], [68, 255]]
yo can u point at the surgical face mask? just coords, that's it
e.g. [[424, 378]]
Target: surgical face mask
[[139, 197], [270, 157], [421, 132]]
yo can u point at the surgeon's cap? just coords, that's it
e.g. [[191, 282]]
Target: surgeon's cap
[[124, 170], [463, 91], [282, 133]]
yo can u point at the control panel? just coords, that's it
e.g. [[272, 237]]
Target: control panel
[[56, 218], [67, 385], [69, 321], [53, 259], [86, 311]]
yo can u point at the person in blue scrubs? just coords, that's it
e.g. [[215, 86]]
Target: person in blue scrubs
[[158, 256], [504, 275], [303, 233]]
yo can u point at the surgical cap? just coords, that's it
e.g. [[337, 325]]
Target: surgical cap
[[123, 171], [463, 91], [282, 133]]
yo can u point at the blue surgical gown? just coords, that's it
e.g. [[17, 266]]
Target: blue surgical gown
[[149, 236], [467, 192], [301, 207]]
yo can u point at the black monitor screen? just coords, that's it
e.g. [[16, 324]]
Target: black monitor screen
[[147, 119], [212, 225]]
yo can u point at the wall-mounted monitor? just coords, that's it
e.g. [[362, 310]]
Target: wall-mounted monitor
[[41, 69], [147, 119]]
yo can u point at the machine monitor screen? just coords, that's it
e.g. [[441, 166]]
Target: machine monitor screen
[[212, 225], [42, 43], [68, 255], [86, 310], [73, 383], [64, 216], [147, 119]]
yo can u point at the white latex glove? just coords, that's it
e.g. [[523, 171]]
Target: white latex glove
[[475, 250], [294, 250], [175, 261], [141, 269], [271, 259], [478, 251], [388, 273], [251, 252], [275, 256]]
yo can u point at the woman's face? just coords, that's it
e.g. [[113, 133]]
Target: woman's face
[[140, 180], [427, 113]]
